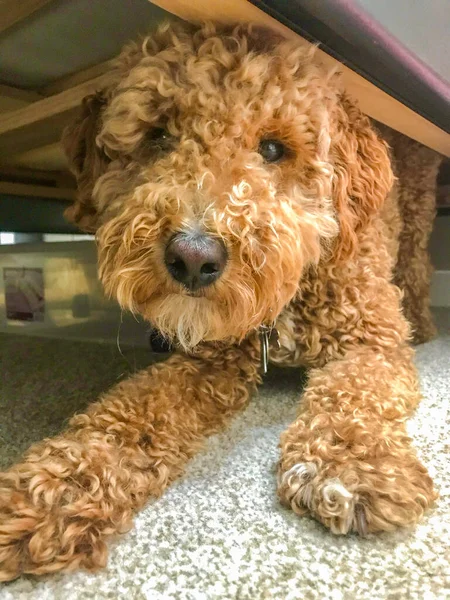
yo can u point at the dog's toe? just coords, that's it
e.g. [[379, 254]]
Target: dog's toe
[[337, 503], [304, 490]]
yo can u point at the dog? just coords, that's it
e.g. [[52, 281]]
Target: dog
[[234, 190]]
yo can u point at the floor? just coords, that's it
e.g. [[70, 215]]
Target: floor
[[219, 532]]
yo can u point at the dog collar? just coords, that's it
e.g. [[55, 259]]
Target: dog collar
[[158, 343], [268, 336]]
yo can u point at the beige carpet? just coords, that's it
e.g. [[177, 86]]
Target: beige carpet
[[220, 532]]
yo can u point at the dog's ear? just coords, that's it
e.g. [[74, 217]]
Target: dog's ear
[[86, 160], [362, 175]]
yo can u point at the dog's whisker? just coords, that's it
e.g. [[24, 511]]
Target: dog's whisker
[[118, 334]]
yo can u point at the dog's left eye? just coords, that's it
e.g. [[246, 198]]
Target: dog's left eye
[[272, 150]]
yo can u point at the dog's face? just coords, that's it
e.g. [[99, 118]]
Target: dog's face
[[215, 169]]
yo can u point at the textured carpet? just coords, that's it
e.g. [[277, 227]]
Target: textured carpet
[[219, 532]]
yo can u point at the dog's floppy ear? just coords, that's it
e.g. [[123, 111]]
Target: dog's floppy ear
[[86, 160], [362, 174]]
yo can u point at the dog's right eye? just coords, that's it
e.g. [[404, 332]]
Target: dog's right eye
[[158, 135], [156, 141]]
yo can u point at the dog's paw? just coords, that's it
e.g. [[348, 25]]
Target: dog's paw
[[37, 534], [363, 496]]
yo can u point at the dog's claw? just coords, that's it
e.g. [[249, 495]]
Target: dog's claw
[[361, 520]]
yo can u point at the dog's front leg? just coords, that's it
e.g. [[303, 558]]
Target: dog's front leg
[[347, 459], [70, 493]]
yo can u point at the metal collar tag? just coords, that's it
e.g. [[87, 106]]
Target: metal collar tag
[[267, 336]]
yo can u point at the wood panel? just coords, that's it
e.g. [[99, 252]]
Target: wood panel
[[14, 174], [38, 191], [12, 98], [14, 11], [42, 122], [373, 101], [70, 81], [49, 157]]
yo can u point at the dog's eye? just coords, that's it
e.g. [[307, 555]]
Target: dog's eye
[[272, 150], [158, 136], [156, 141]]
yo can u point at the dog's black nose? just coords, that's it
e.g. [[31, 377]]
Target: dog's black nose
[[195, 259]]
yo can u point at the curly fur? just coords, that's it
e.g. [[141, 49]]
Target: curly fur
[[311, 243], [416, 168]]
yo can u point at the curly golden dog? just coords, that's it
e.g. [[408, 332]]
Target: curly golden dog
[[234, 190]]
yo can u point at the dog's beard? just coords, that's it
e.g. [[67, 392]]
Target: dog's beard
[[228, 311], [186, 320]]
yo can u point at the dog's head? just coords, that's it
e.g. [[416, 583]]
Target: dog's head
[[215, 169]]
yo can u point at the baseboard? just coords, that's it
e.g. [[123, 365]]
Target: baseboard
[[440, 288]]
